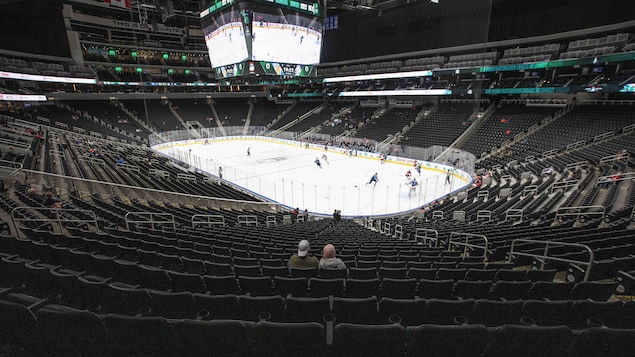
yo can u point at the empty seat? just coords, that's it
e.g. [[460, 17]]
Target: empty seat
[[602, 342], [68, 331], [510, 275], [422, 273], [587, 313], [480, 274], [355, 310], [472, 289], [362, 273], [362, 287], [369, 340], [593, 290], [447, 312], [332, 273], [398, 288], [493, 313], [304, 272], [129, 335], [177, 305], [247, 270], [186, 282], [550, 290], [255, 308], [540, 275], [256, 286], [440, 289], [446, 340], [221, 285], [393, 273], [409, 311], [215, 337], [325, 287], [291, 286], [547, 313], [307, 309], [510, 290], [447, 273], [516, 340], [289, 339]]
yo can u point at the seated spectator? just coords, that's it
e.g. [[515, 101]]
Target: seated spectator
[[303, 259], [570, 177], [49, 199], [616, 177], [32, 194], [329, 261], [547, 171]]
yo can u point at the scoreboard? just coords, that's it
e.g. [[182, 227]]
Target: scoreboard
[[277, 37]]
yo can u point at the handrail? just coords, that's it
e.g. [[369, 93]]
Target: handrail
[[514, 214], [613, 158], [210, 220], [484, 214], [11, 167], [608, 179], [271, 221], [422, 234], [563, 185], [545, 254], [59, 219], [577, 211], [153, 217], [247, 220], [468, 237]]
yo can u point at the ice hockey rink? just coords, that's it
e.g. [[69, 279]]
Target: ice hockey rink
[[286, 172]]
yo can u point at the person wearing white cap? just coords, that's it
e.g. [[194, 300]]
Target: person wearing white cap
[[303, 259]]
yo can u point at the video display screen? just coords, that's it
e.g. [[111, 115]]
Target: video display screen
[[280, 34], [288, 38], [225, 38]]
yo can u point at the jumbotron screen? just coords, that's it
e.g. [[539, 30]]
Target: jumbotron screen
[[225, 38], [287, 38], [282, 37]]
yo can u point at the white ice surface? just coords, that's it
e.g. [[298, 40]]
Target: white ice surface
[[287, 174]]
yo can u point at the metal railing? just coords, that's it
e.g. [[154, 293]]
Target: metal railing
[[544, 256], [207, 220], [469, 243], [9, 168], [247, 220], [515, 215], [59, 216], [422, 236], [578, 211], [151, 218]]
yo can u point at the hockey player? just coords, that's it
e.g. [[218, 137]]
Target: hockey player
[[413, 187], [317, 162], [325, 159], [374, 180]]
